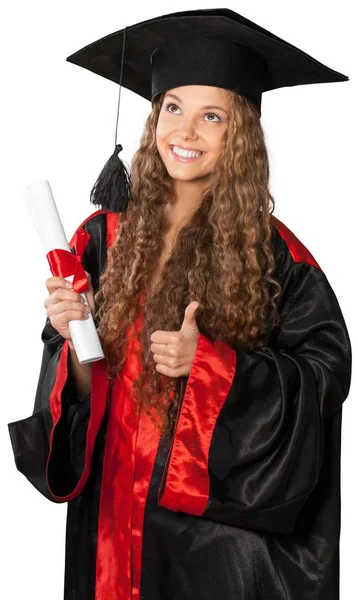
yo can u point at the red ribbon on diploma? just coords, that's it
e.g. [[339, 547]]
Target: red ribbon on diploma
[[64, 263]]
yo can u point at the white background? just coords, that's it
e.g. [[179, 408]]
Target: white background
[[58, 123]]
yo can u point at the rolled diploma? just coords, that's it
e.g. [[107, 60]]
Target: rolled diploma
[[44, 213]]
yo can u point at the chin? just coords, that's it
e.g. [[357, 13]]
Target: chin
[[182, 176], [188, 178], [185, 173]]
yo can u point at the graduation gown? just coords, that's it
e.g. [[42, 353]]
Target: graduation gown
[[242, 502]]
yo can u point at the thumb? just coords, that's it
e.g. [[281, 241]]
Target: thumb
[[189, 316], [89, 279], [90, 294]]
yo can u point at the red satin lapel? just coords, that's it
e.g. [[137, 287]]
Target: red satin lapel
[[185, 485], [131, 447], [298, 251]]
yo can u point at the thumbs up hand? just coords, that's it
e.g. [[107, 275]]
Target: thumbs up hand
[[174, 351]]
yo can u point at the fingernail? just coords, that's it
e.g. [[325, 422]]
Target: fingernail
[[69, 284]]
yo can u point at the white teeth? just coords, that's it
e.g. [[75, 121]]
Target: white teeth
[[186, 153]]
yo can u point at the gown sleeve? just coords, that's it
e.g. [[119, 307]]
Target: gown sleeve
[[248, 445], [53, 446]]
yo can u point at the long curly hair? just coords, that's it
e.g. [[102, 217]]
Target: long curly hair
[[222, 257]]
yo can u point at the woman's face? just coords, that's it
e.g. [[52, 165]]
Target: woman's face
[[192, 118]]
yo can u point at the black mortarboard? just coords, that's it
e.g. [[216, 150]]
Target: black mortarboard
[[200, 47]]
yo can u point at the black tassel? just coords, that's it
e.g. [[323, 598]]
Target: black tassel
[[112, 188]]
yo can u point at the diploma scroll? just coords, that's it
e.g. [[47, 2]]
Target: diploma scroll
[[43, 210]]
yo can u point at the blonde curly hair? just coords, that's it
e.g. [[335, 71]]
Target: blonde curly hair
[[222, 257]]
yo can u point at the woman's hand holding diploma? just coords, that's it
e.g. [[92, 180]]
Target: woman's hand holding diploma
[[64, 305]]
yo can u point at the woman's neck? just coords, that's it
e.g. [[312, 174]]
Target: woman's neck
[[185, 200]]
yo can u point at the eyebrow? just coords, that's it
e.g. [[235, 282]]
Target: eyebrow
[[206, 107]]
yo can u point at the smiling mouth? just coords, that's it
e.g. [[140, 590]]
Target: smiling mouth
[[185, 159]]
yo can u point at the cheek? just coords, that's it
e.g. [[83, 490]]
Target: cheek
[[161, 135], [159, 138], [161, 144], [162, 126], [217, 141]]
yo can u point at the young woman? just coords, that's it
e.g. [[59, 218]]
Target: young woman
[[201, 458]]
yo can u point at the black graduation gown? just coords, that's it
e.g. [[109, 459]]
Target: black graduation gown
[[243, 501]]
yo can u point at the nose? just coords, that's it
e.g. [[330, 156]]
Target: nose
[[186, 129]]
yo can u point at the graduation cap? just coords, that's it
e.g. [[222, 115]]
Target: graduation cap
[[215, 47]]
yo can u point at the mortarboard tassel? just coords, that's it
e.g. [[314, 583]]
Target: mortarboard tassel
[[112, 188]]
